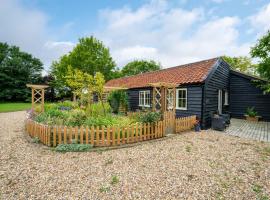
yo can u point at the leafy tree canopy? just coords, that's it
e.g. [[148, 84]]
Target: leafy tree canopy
[[17, 68], [90, 56], [241, 63], [140, 66], [261, 51]]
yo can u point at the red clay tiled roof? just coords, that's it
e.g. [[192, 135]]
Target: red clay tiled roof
[[183, 74]]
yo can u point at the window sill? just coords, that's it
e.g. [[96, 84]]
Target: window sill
[[181, 108], [144, 106]]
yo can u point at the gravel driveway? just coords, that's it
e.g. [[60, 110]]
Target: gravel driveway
[[208, 165]]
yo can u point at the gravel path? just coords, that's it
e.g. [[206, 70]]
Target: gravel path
[[208, 165]]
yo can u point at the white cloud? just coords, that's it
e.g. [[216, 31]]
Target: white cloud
[[261, 20], [29, 29], [171, 35], [54, 50], [138, 52]]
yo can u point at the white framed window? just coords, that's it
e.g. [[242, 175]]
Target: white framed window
[[181, 99], [144, 98]]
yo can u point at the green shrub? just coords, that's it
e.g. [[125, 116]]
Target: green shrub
[[115, 180], [96, 109], [149, 117], [75, 118], [50, 106], [117, 98], [104, 189], [56, 113], [251, 112], [36, 140], [108, 120], [42, 118], [68, 104], [73, 147]]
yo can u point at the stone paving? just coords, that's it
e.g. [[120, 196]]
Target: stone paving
[[247, 129]]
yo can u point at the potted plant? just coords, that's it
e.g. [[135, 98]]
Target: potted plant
[[251, 114]]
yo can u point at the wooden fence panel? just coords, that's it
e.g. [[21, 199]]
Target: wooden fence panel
[[103, 136], [132, 133], [81, 134], [86, 135], [118, 136], [97, 133], [92, 136], [65, 135], [54, 136], [59, 134], [76, 133], [184, 123], [108, 130], [128, 133], [113, 136], [137, 133]]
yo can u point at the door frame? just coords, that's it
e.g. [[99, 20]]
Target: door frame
[[220, 103]]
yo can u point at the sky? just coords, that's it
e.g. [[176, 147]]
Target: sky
[[171, 32]]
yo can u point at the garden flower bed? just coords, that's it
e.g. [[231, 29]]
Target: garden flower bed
[[66, 123]]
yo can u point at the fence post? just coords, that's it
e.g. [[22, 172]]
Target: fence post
[[92, 137], [54, 136], [65, 135], [81, 134]]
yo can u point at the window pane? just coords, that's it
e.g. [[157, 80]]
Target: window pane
[[147, 98], [184, 94], [184, 103], [141, 98]]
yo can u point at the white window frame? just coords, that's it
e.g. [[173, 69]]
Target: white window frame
[[144, 92], [177, 98]]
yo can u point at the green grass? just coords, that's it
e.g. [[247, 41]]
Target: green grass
[[11, 107]]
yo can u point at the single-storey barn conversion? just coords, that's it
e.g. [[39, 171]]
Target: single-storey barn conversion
[[202, 88]]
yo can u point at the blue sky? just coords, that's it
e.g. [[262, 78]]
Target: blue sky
[[170, 32]]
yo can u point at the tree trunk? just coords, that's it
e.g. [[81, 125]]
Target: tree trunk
[[74, 97], [102, 104]]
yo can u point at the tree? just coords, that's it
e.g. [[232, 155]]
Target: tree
[[140, 66], [241, 63], [82, 83], [76, 81], [17, 68], [90, 56], [261, 51], [99, 83]]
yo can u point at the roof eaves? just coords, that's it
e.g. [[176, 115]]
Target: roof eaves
[[245, 75]]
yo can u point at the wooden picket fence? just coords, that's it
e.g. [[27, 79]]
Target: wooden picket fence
[[177, 125], [97, 136], [173, 124], [184, 123]]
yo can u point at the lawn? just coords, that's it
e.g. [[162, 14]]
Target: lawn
[[11, 107]]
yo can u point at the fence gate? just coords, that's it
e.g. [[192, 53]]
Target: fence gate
[[164, 101], [169, 122]]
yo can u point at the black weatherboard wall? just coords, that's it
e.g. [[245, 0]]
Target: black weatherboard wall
[[194, 101], [218, 79], [244, 94], [133, 97]]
